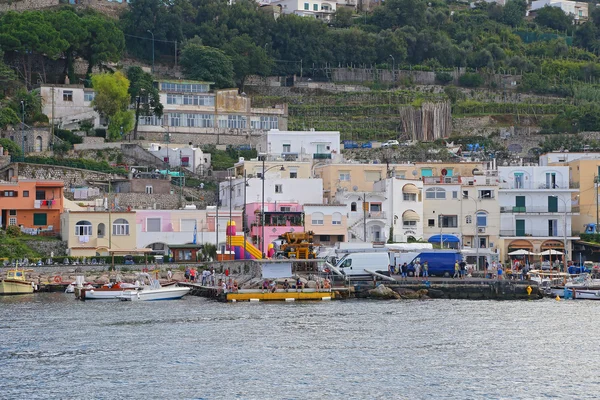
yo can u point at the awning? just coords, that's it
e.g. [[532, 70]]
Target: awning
[[444, 238], [410, 215], [410, 188]]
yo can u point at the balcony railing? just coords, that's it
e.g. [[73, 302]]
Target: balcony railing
[[441, 180], [532, 233], [375, 214], [536, 186], [322, 156], [536, 210]]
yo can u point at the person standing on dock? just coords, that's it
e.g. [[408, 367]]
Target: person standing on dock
[[456, 270], [404, 271], [425, 269], [417, 269], [169, 274]]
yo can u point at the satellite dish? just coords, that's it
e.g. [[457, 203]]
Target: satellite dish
[[475, 171], [355, 188], [269, 199], [444, 172], [415, 173]]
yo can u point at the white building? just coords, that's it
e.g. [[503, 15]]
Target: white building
[[276, 189], [577, 9], [367, 221], [318, 9], [535, 207], [189, 157], [566, 157], [403, 207], [68, 105], [301, 145], [190, 107]]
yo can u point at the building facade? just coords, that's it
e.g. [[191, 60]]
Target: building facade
[[328, 222], [188, 157], [403, 205], [32, 205], [301, 145], [536, 208], [68, 105]]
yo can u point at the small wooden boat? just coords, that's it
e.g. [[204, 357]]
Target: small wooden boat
[[16, 283]]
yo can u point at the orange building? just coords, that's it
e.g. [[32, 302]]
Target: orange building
[[32, 204]]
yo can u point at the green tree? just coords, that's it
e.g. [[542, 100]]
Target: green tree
[[72, 30], [342, 17], [399, 13], [248, 59], [514, 12], [205, 63], [12, 148], [112, 93], [554, 18], [120, 124], [8, 117], [144, 95], [32, 103], [30, 36], [105, 41], [8, 78]]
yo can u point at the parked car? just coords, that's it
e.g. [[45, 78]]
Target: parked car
[[391, 143], [349, 144], [366, 145]]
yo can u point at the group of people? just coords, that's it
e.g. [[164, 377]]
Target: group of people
[[460, 270], [207, 277], [420, 270]]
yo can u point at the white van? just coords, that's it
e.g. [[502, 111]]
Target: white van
[[355, 264]]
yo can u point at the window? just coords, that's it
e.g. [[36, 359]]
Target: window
[[375, 207], [83, 228], [121, 227], [9, 193], [68, 95], [315, 7], [89, 96], [372, 176], [518, 180], [353, 206], [269, 123], [151, 120], [455, 194], [465, 194], [481, 219], [325, 8], [101, 230], [185, 161], [336, 219], [287, 148], [448, 221], [278, 188], [12, 221], [344, 175], [184, 87], [431, 223], [285, 209], [317, 218], [468, 219], [233, 122], [149, 189], [409, 196], [325, 238], [306, 6], [40, 219], [293, 173], [175, 119], [12, 213], [153, 225], [25, 193], [486, 194], [435, 193], [40, 195], [409, 224], [426, 172]]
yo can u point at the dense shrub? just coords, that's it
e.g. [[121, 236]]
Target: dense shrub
[[470, 79]]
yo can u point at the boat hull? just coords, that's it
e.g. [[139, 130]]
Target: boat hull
[[586, 294], [163, 293], [9, 287], [280, 295], [100, 294]]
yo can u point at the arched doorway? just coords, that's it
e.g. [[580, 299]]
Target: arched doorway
[[38, 144]]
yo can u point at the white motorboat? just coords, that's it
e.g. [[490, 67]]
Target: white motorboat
[[104, 293], [586, 294], [154, 292]]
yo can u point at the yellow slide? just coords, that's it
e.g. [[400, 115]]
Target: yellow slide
[[250, 248]]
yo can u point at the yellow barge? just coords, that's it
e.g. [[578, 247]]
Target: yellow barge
[[280, 295]]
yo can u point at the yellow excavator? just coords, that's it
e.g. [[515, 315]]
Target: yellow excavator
[[298, 245]]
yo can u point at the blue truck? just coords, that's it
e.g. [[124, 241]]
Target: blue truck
[[441, 262]]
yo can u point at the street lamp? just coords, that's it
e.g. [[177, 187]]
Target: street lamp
[[564, 231], [231, 187], [23, 129], [476, 233], [150, 32], [262, 209], [393, 63]]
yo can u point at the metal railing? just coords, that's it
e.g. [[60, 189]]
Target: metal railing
[[533, 233], [536, 210], [440, 180], [321, 156], [536, 186]]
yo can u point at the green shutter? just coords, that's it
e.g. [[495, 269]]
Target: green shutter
[[519, 204], [520, 227], [552, 204], [40, 219]]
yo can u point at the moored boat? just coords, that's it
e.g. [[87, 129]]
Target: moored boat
[[106, 292], [153, 292], [586, 294], [16, 283]]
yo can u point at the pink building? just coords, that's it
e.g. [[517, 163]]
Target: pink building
[[280, 217]]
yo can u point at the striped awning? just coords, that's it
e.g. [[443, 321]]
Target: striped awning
[[410, 188], [410, 215]]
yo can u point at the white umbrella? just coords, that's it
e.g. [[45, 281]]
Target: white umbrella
[[551, 252], [520, 252]]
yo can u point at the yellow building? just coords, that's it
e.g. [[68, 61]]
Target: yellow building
[[328, 222], [292, 169], [361, 177], [582, 174], [98, 233]]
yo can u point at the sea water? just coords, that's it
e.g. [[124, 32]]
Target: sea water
[[52, 346]]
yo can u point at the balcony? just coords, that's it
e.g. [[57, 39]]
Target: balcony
[[375, 214], [533, 233], [536, 210], [322, 156], [441, 180], [536, 186]]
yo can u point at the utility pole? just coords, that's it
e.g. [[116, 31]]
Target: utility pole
[[110, 224], [365, 217], [23, 130], [52, 132], [150, 32], [597, 208], [217, 216], [180, 181], [244, 213]]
